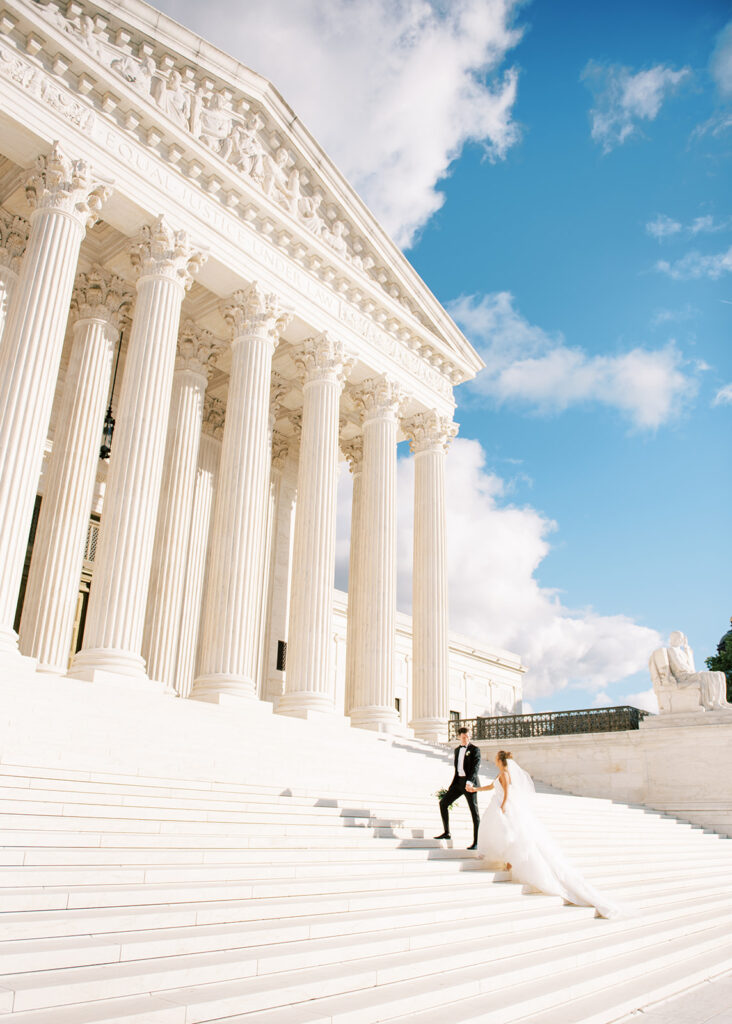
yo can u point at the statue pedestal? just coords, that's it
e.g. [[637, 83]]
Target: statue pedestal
[[677, 719]]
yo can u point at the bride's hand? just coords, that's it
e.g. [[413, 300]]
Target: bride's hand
[[470, 788]]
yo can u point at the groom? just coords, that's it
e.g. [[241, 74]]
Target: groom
[[467, 762]]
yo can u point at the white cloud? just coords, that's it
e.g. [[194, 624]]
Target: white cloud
[[667, 316], [695, 265], [494, 551], [720, 64], [724, 395], [602, 700], [393, 89], [646, 700], [624, 98], [526, 364], [663, 227]]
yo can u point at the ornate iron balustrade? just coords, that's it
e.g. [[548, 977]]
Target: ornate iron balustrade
[[551, 723]]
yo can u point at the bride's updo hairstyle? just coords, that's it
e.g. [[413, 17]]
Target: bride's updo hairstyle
[[503, 756]]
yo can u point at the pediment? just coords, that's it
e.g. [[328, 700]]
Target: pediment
[[227, 129]]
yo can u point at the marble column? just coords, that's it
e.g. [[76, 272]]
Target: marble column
[[13, 240], [278, 390], [323, 370], [353, 450], [172, 532], [430, 436], [199, 544], [165, 261], [373, 700], [65, 198], [99, 305], [284, 475], [232, 607]]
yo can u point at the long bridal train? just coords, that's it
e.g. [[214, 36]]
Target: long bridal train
[[516, 836]]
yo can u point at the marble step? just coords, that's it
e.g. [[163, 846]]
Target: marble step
[[75, 875], [35, 923], [144, 866], [387, 957], [119, 895], [380, 850], [414, 928], [501, 990], [291, 939], [375, 849], [584, 998], [159, 825]]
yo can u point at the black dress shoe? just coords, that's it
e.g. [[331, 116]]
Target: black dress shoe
[[445, 835], [473, 847]]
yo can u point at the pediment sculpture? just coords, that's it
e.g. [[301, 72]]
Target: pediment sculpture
[[677, 684], [232, 130]]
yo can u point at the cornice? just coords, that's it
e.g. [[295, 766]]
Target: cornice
[[376, 280]]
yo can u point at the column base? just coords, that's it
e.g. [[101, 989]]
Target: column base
[[211, 688], [113, 667], [11, 660], [306, 705], [431, 730], [377, 719]]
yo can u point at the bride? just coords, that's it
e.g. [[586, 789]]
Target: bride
[[512, 834]]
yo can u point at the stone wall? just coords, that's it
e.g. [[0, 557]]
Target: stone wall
[[682, 767]]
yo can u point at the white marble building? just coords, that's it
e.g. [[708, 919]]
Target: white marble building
[[161, 202]]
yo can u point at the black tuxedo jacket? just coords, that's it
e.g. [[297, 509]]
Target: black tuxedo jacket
[[471, 764]]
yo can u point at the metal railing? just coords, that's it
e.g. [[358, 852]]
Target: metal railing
[[551, 723]]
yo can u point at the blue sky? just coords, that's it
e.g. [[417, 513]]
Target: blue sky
[[559, 173]]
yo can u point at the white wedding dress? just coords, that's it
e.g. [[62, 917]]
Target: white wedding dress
[[519, 838]]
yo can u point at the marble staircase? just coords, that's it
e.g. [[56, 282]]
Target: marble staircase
[[126, 898]]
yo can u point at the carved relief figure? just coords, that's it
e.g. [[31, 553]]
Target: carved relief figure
[[212, 123], [173, 99], [137, 73], [247, 152]]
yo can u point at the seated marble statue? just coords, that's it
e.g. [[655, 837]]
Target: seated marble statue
[[674, 676]]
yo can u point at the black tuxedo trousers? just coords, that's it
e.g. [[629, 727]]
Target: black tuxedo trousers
[[456, 790]]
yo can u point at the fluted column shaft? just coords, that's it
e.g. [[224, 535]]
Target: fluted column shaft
[[354, 453], [232, 606], [373, 706], [65, 198], [209, 454], [172, 532], [53, 582], [308, 676], [116, 614], [431, 435]]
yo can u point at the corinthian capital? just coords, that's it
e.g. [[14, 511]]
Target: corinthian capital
[[280, 450], [322, 358], [353, 450], [213, 417], [196, 348], [13, 240], [159, 251], [99, 295], [252, 312], [428, 431], [58, 183], [377, 398]]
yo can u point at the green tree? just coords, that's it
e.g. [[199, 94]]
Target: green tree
[[722, 660]]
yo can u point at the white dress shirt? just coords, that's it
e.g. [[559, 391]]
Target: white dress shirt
[[461, 761]]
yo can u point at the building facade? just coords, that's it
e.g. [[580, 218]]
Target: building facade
[[176, 248]]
